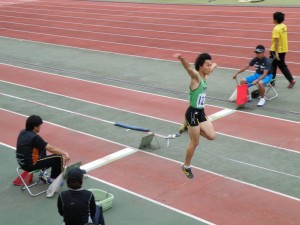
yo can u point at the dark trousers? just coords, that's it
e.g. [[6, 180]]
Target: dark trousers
[[55, 162], [98, 218], [282, 66]]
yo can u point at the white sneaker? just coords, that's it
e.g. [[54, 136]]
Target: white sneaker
[[261, 102]]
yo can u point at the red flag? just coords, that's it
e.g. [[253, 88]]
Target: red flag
[[26, 176], [242, 94]]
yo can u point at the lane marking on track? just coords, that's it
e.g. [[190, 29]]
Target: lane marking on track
[[144, 15], [108, 159], [117, 43], [162, 157], [77, 99], [132, 90], [127, 151], [139, 29], [213, 117], [16, 2], [106, 121], [136, 194], [131, 7], [130, 28], [8, 146], [152, 200], [109, 52], [249, 164], [120, 43], [98, 162], [141, 37]]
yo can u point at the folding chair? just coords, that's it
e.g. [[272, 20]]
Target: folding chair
[[270, 87], [28, 187]]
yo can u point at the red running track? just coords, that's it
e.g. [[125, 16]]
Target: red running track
[[208, 196], [229, 34], [158, 106]]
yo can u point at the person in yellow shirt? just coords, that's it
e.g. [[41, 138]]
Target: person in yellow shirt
[[279, 48]]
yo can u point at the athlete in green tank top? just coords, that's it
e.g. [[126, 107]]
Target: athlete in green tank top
[[198, 123], [197, 96]]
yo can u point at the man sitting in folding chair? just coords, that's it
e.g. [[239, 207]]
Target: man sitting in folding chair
[[263, 74], [31, 151]]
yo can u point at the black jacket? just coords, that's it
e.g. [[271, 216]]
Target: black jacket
[[76, 206]]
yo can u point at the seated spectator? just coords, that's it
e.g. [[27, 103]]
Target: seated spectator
[[263, 74], [31, 151], [77, 205]]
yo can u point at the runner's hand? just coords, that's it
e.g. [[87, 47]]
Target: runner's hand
[[177, 55]]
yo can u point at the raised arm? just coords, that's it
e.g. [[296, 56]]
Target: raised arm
[[213, 66], [193, 73]]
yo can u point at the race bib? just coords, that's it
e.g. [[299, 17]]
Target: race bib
[[201, 100]]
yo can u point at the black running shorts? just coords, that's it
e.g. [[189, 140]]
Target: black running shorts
[[195, 116]]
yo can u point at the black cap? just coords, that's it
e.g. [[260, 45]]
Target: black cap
[[259, 49], [75, 174]]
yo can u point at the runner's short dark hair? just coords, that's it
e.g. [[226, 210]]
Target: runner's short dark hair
[[201, 59]]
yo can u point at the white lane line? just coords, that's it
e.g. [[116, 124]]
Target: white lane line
[[128, 89], [106, 121], [134, 6], [122, 44], [8, 146], [143, 30], [111, 13], [108, 159], [123, 154], [162, 157], [141, 37], [151, 200], [56, 108], [107, 52], [99, 162], [128, 151], [249, 164], [81, 100], [215, 116]]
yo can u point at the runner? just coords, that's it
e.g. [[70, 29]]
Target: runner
[[197, 122], [183, 127]]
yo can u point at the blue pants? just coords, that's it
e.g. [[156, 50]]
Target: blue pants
[[98, 218], [267, 79]]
